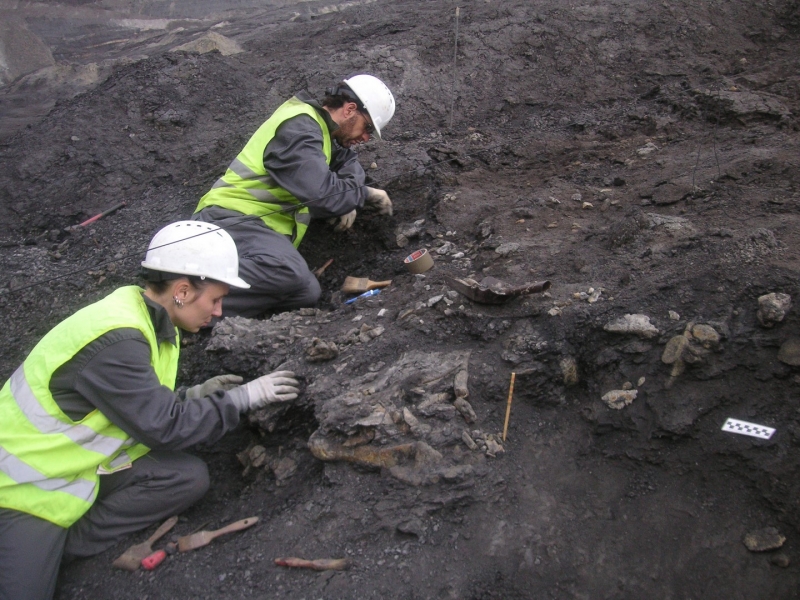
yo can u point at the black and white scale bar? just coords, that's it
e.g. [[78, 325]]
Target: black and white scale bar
[[745, 428]]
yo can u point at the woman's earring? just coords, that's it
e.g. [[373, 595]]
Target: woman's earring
[[178, 302]]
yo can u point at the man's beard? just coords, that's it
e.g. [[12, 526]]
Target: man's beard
[[344, 134]]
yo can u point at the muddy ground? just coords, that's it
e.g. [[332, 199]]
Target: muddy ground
[[648, 152]]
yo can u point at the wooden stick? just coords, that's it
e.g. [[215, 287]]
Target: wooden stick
[[508, 406], [321, 270]]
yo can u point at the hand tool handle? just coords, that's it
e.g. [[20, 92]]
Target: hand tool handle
[[364, 295], [155, 559], [165, 527], [105, 213], [236, 526], [379, 284]]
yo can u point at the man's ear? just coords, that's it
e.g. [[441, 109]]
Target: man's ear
[[350, 108]]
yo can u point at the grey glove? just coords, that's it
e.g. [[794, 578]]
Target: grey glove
[[379, 200], [345, 221], [220, 382], [280, 386]]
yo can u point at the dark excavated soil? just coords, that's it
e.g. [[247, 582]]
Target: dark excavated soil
[[676, 121]]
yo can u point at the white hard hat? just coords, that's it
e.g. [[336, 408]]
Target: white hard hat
[[376, 98], [195, 248]]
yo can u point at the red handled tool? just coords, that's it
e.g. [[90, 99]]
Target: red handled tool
[[156, 558]]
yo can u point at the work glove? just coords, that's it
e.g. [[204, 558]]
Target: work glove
[[280, 386], [379, 200], [220, 382], [345, 221]]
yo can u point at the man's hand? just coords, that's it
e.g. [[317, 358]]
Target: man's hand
[[280, 386], [220, 382], [345, 221], [379, 200]]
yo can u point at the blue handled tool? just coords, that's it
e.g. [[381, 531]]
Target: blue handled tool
[[364, 295]]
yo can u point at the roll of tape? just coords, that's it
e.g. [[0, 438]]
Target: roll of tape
[[419, 261]]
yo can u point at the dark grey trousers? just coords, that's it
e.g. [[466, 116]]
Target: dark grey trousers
[[157, 486], [278, 275]]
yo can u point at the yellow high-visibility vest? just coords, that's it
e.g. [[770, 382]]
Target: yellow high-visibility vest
[[48, 462], [247, 188]]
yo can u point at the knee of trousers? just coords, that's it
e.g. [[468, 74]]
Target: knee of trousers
[[193, 478]]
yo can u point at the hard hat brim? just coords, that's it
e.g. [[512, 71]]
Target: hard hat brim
[[236, 282]]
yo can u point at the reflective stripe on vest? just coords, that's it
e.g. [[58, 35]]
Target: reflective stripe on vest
[[247, 188], [48, 462]]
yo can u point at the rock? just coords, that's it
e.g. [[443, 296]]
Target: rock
[[569, 370], [434, 300], [408, 231], [283, 469], [772, 308], [618, 399], [507, 248], [468, 441], [493, 447], [440, 410], [523, 212], [411, 527], [780, 560], [634, 324], [320, 351], [460, 383], [669, 222], [446, 248], [790, 352], [21, 51], [368, 333], [465, 408], [485, 229], [409, 418], [743, 106], [648, 148], [706, 335], [768, 538], [670, 192], [674, 316], [210, 42], [457, 473], [257, 456]]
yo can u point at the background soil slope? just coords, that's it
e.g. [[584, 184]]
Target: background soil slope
[[647, 151]]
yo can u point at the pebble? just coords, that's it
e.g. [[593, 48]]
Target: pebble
[[618, 399], [507, 248], [780, 560], [790, 352], [768, 538], [706, 335], [674, 349], [468, 441], [772, 308], [636, 324], [434, 300], [674, 316]]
